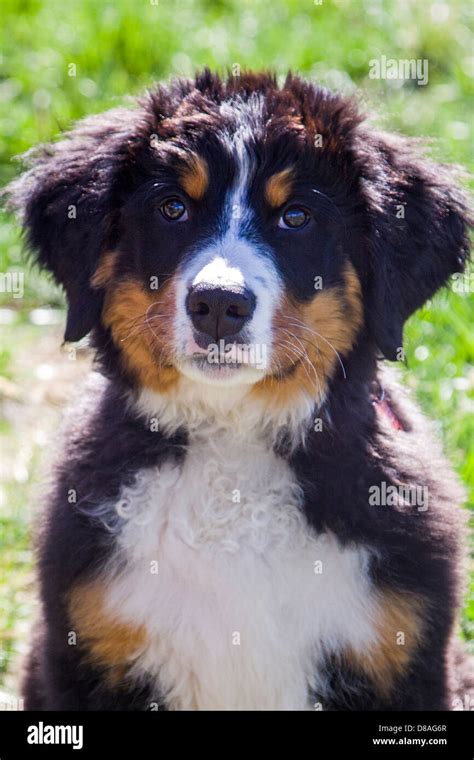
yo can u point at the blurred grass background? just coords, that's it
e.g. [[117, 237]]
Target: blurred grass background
[[118, 48]]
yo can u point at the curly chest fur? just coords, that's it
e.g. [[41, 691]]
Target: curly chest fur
[[236, 600]]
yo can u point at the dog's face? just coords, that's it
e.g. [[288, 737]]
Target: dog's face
[[231, 263], [238, 233]]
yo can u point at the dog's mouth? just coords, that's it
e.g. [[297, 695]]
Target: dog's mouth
[[237, 362], [206, 364]]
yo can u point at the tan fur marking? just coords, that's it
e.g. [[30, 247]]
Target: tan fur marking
[[195, 177], [141, 324], [278, 187], [389, 658], [334, 313], [107, 642], [104, 273]]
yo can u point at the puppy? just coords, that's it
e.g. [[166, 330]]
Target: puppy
[[247, 513]]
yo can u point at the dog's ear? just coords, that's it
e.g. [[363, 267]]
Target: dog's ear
[[419, 227], [65, 201]]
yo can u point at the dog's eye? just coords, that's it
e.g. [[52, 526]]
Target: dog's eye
[[294, 218], [174, 210]]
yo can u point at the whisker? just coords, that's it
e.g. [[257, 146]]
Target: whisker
[[311, 364], [306, 340], [303, 355], [318, 335], [144, 323], [292, 335], [137, 322]]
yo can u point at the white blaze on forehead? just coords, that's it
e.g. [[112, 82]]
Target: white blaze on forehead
[[238, 142], [238, 211]]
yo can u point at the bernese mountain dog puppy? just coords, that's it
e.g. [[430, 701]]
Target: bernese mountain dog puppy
[[247, 513]]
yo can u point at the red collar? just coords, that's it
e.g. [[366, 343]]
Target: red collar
[[384, 407]]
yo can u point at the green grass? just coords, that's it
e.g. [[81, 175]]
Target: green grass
[[119, 48]]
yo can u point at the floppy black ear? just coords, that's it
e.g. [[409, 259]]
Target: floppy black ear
[[66, 204], [419, 235]]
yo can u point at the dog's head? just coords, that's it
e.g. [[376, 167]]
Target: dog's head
[[237, 232]]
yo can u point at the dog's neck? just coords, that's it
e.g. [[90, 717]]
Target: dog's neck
[[203, 410]]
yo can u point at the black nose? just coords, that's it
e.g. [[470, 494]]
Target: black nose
[[219, 312]]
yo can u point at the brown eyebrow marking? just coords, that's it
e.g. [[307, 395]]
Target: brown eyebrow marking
[[194, 177], [278, 187]]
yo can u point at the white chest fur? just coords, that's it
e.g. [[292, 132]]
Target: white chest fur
[[239, 599]]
